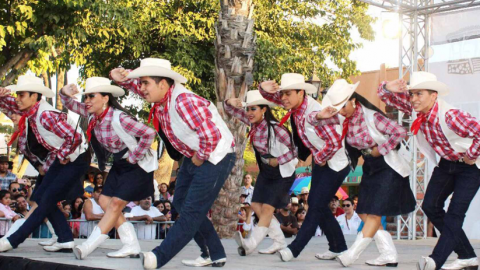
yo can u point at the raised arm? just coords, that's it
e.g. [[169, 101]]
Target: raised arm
[[395, 94], [8, 105], [269, 90], [67, 95], [119, 76], [233, 108]]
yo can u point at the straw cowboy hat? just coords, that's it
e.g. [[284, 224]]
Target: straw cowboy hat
[[28, 83], [255, 98], [156, 67], [294, 200], [339, 93], [426, 80], [295, 81], [304, 191], [102, 85]]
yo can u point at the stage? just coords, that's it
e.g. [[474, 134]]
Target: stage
[[31, 256]]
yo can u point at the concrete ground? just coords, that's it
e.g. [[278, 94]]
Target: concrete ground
[[409, 253]]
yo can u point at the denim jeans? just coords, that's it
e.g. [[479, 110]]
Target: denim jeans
[[325, 183], [195, 191], [57, 181], [463, 181]]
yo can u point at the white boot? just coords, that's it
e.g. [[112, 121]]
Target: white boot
[[60, 247], [198, 262], [466, 264], [87, 247], [388, 253], [327, 255], [248, 245], [426, 263], [352, 254], [5, 245], [131, 247], [276, 234], [149, 260], [17, 224], [51, 241]]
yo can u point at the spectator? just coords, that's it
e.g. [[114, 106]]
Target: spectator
[[77, 208], [350, 221], [91, 212], [168, 206], [243, 198], [355, 202], [248, 188], [300, 215], [99, 179], [294, 207], [304, 198], [6, 176], [15, 189], [288, 223], [66, 209], [242, 217], [22, 206], [89, 184], [337, 211], [6, 212], [144, 212], [159, 205], [164, 195]]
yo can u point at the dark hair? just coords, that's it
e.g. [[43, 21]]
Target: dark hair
[[335, 198], [39, 96], [156, 203], [112, 102], [4, 193], [271, 123], [65, 203], [360, 99], [77, 213], [19, 196], [158, 79], [300, 210], [95, 179], [10, 185], [349, 200], [97, 188]]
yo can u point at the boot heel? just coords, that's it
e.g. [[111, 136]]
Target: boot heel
[[471, 267], [134, 256], [218, 264], [391, 264], [65, 250], [241, 251]]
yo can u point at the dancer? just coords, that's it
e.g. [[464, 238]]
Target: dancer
[[276, 159], [55, 143], [331, 163], [454, 135], [385, 187], [193, 126], [131, 176]]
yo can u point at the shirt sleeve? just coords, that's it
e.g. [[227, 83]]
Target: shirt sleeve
[[238, 113], [57, 123], [275, 98], [333, 143], [137, 130], [132, 85], [73, 105], [195, 113], [9, 106], [401, 101], [389, 127], [312, 119], [465, 126], [155, 213], [284, 137]]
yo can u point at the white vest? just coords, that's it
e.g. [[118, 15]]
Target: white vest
[[277, 149], [190, 138], [339, 160], [149, 162], [393, 159], [459, 144], [50, 137]]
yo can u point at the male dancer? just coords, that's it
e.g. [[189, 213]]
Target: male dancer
[[48, 137], [194, 128], [455, 136]]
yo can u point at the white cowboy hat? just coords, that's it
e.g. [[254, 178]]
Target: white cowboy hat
[[255, 98], [338, 94], [156, 67], [426, 80], [304, 191], [295, 81], [294, 200], [102, 85], [27, 83]]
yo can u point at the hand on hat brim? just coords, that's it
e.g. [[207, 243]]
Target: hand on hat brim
[[439, 87]]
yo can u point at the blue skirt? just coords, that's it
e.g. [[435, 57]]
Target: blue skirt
[[271, 188]]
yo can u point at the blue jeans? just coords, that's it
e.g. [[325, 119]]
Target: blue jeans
[[55, 185], [463, 181], [325, 183], [195, 191]]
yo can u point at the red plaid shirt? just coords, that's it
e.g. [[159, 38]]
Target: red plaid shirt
[[106, 135], [54, 122], [327, 133], [359, 137], [260, 134], [460, 122], [194, 112]]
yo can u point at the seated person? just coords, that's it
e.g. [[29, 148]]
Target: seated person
[[145, 212]]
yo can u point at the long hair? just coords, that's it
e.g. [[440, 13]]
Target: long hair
[[366, 103], [271, 123], [112, 102]]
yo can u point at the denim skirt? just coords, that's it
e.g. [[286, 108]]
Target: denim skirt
[[384, 192], [271, 188]]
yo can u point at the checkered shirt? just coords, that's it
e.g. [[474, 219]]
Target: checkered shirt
[[460, 122], [106, 135], [6, 180], [260, 134]]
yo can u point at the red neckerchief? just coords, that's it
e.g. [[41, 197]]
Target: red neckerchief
[[421, 118], [93, 123], [22, 121], [165, 100], [345, 127]]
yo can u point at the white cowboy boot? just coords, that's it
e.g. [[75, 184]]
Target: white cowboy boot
[[466, 264], [149, 260], [131, 247], [276, 234], [87, 247], [198, 262], [17, 224], [51, 241], [388, 253], [5, 245], [60, 247], [285, 254], [426, 263], [248, 245], [328, 255], [352, 254]]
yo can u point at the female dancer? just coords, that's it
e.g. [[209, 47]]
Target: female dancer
[[111, 128], [385, 189], [331, 163], [276, 159]]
